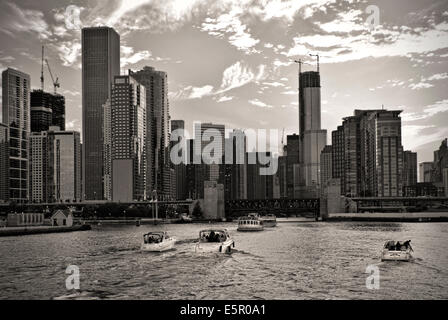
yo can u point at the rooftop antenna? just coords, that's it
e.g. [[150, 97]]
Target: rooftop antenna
[[316, 55], [42, 71]]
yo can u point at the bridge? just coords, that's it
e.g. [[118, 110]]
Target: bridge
[[303, 207], [400, 204]]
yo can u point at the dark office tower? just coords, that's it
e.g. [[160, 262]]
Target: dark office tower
[[235, 167], [191, 172], [100, 63], [409, 168], [312, 138], [180, 170], [259, 187], [16, 115], [128, 136], [157, 111], [292, 164], [4, 161], [47, 110]]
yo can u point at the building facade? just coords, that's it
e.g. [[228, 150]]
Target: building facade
[[107, 150], [55, 166], [157, 129], [180, 170], [326, 165], [16, 115], [4, 163], [100, 63], [128, 153], [425, 171], [409, 168], [47, 110], [312, 138]]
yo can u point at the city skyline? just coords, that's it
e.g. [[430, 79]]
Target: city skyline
[[246, 75]]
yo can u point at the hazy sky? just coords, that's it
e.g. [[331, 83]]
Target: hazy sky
[[229, 62]]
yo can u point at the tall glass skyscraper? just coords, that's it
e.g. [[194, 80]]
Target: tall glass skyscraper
[[100, 63], [16, 115]]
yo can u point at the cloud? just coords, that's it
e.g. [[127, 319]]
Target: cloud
[[15, 19], [259, 103], [428, 111], [230, 24], [235, 76], [129, 57], [224, 99]]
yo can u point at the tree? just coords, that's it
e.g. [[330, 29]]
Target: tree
[[197, 211]]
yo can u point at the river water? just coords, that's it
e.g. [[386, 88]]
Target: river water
[[295, 260]]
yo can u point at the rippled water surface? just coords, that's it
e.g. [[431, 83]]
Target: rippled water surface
[[300, 260]]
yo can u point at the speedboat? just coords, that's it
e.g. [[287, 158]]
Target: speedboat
[[397, 251], [269, 221], [214, 241], [250, 223], [157, 242]]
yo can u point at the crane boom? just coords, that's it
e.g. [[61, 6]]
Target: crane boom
[[42, 71], [55, 83]]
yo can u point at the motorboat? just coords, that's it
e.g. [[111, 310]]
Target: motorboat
[[186, 219], [397, 251], [250, 223], [269, 221], [157, 242], [212, 240]]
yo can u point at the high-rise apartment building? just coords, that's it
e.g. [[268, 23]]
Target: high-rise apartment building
[[100, 63], [326, 165], [4, 163], [158, 118], [128, 152], [16, 115], [55, 170]]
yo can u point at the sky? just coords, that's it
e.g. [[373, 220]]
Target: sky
[[231, 62]]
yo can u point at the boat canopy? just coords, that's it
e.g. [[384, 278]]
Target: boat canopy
[[154, 237], [398, 245], [213, 235]]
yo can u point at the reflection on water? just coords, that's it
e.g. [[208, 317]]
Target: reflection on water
[[291, 261]]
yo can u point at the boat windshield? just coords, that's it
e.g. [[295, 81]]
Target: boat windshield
[[398, 245], [153, 237], [212, 236]]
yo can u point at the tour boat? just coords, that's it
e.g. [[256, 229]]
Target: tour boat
[[157, 242], [214, 241], [397, 251], [250, 223], [269, 221]]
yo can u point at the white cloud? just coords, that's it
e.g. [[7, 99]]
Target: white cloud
[[259, 103], [128, 56], [428, 111], [199, 92], [235, 76], [224, 99]]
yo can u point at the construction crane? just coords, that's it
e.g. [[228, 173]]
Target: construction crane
[[55, 83], [42, 71]]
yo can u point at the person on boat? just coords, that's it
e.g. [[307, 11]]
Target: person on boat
[[211, 237], [408, 245]]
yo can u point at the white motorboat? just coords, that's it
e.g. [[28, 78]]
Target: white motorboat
[[397, 251], [214, 241], [269, 221], [250, 223], [157, 242]]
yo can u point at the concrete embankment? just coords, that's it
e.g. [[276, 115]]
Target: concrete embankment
[[22, 231], [391, 217]]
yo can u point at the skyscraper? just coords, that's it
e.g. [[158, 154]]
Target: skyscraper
[[47, 110], [368, 155], [107, 150], [16, 115], [180, 170], [4, 163], [409, 168], [128, 152], [326, 166], [100, 63], [425, 171], [55, 171], [312, 138], [292, 164], [235, 170], [158, 117]]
